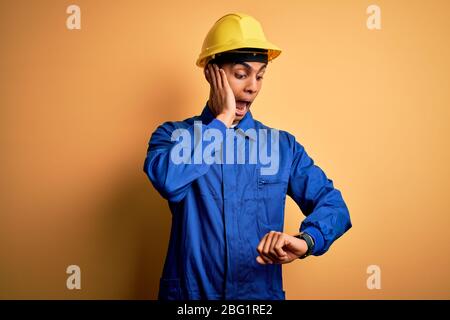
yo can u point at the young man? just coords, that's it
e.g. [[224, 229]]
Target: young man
[[227, 239]]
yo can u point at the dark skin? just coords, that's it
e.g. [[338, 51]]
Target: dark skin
[[230, 84]]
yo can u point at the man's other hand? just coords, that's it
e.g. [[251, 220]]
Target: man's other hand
[[278, 247]]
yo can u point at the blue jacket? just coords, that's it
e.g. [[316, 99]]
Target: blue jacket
[[220, 212]]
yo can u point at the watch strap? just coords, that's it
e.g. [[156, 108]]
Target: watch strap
[[309, 242]]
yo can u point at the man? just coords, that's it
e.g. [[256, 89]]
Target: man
[[227, 239]]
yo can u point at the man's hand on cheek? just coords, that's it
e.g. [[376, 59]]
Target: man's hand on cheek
[[279, 248], [221, 96]]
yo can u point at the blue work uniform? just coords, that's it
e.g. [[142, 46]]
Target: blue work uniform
[[221, 211]]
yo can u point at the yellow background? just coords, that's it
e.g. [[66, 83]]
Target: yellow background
[[77, 109]]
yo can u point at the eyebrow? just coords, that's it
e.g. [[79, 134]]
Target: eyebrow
[[247, 66]]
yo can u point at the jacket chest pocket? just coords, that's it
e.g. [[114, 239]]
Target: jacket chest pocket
[[271, 195], [271, 186]]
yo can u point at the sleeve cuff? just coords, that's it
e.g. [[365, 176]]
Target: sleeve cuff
[[317, 237]]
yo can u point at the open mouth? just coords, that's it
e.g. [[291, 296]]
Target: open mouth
[[242, 107]]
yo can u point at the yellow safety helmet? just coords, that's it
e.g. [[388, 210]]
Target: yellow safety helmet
[[235, 31]]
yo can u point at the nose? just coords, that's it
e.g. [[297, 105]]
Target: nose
[[251, 85]]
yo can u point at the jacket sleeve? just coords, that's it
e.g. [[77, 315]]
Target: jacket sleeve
[[172, 180], [327, 215]]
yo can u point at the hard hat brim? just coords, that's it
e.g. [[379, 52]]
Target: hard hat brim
[[273, 51]]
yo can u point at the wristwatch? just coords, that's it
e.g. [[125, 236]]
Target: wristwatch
[[309, 242]]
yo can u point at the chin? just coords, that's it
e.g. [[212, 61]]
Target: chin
[[239, 117]]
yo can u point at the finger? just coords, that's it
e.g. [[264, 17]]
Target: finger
[[224, 79], [261, 244], [266, 250], [212, 73], [261, 248], [278, 247], [272, 251], [207, 75], [260, 260], [218, 77]]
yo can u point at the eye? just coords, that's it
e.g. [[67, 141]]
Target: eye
[[259, 78], [239, 76]]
